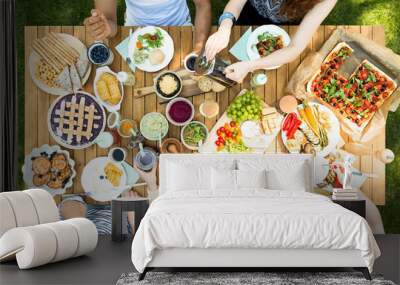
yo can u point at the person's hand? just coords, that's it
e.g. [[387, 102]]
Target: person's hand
[[98, 25], [238, 71], [217, 42]]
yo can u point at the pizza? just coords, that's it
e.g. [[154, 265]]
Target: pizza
[[357, 98]]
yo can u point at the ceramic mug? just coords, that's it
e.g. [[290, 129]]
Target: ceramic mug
[[117, 154], [113, 120]]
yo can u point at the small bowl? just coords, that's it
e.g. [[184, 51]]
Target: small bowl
[[107, 61], [205, 115], [171, 141], [168, 107], [161, 94], [191, 147]]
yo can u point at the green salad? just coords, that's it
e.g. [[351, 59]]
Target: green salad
[[145, 43], [193, 133], [150, 40]]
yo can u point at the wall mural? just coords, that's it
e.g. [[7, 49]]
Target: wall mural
[[89, 117]]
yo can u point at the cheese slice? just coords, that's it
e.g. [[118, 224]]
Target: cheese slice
[[265, 126], [268, 110]]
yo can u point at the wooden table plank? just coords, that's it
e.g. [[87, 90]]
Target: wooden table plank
[[138, 109], [212, 96], [69, 30], [175, 63], [42, 103], [79, 155], [365, 161], [378, 144]]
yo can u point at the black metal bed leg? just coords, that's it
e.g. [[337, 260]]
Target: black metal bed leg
[[365, 272], [143, 274]]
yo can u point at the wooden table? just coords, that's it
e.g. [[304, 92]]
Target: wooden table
[[38, 102]]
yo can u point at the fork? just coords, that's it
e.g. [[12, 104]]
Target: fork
[[128, 59]]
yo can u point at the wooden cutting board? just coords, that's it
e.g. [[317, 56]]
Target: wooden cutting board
[[189, 86]]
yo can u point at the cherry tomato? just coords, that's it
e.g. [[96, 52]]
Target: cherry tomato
[[219, 132], [233, 124], [363, 75], [221, 129], [217, 143]]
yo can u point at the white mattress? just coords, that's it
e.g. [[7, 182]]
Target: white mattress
[[250, 219]]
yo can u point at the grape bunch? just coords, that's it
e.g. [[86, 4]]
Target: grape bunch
[[245, 107]]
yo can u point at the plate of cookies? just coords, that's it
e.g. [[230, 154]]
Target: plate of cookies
[[49, 168]]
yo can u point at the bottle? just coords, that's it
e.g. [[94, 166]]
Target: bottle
[[127, 78]]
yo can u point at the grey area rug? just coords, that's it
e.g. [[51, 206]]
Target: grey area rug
[[244, 278]]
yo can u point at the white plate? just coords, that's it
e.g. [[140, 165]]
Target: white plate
[[34, 58], [333, 133], [28, 173], [252, 41], [109, 107], [98, 188], [167, 48], [256, 145]]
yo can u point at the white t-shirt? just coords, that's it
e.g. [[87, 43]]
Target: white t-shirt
[[157, 13]]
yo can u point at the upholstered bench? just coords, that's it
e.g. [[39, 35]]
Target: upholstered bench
[[31, 230]]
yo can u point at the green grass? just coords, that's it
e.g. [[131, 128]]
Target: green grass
[[349, 12]]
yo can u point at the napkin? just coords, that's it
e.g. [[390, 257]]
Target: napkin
[[132, 176], [122, 49], [239, 49]]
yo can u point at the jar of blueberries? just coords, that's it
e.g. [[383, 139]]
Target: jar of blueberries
[[100, 54]]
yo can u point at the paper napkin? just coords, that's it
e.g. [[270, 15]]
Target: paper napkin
[[122, 49], [239, 49]]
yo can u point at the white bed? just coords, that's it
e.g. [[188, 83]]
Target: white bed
[[202, 220]]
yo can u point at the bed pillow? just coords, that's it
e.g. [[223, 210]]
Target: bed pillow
[[223, 179], [291, 174], [294, 180], [251, 178], [191, 175], [183, 178]]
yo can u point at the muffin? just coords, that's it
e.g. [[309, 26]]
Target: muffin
[[41, 165]]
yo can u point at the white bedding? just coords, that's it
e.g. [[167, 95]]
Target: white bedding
[[251, 218]]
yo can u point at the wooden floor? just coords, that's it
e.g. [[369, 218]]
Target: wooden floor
[[38, 102], [110, 259]]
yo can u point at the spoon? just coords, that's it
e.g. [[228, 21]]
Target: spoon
[[132, 131], [141, 151]]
